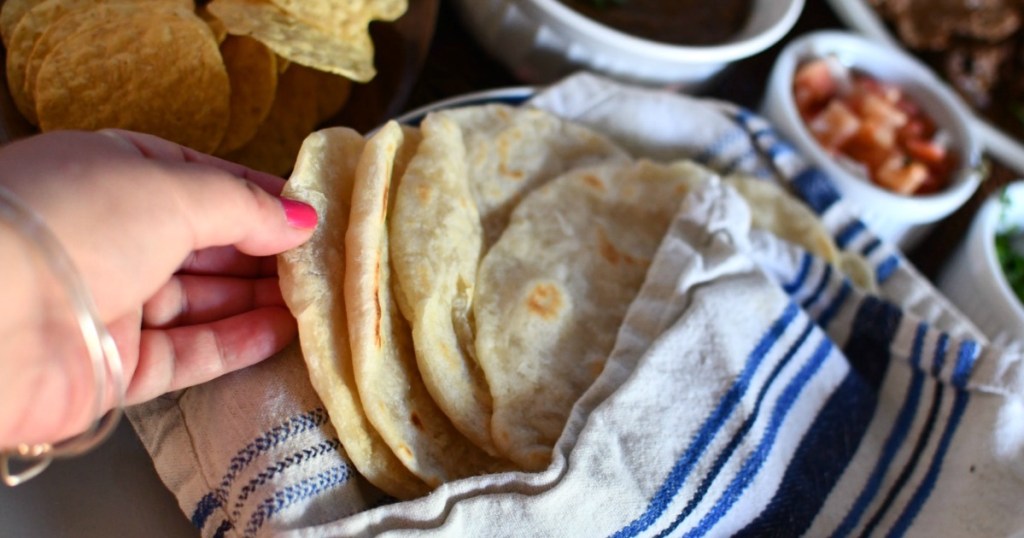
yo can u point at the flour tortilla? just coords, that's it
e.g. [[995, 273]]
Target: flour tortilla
[[775, 210], [311, 282], [472, 168], [552, 292], [390, 388]]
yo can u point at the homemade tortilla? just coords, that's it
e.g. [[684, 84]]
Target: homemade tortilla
[[390, 387], [472, 168], [312, 277], [554, 289]]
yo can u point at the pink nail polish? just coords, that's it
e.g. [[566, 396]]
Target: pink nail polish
[[299, 214]]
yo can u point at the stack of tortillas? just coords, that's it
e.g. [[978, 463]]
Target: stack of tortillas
[[468, 277]]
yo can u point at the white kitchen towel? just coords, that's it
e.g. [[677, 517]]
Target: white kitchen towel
[[753, 390]]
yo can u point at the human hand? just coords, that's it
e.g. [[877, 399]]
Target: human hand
[[177, 250]]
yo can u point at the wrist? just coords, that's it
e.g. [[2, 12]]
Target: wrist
[[43, 363]]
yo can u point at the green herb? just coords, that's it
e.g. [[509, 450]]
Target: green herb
[[1010, 259]]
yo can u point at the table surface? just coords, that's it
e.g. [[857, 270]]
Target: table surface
[[63, 502]]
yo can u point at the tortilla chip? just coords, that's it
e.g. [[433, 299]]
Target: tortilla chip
[[252, 72], [121, 75], [11, 14], [76, 20], [332, 92], [292, 116], [346, 51], [344, 13], [32, 25], [220, 32]]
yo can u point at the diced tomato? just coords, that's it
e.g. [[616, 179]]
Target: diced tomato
[[864, 147], [916, 128], [901, 176], [867, 85], [880, 111], [929, 153], [813, 86], [876, 125], [834, 125]]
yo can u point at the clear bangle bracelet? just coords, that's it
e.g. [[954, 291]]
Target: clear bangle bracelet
[[103, 354]]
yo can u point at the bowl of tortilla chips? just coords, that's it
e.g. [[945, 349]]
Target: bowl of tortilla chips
[[246, 80]]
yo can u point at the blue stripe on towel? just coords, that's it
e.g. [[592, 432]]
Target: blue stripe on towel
[[827, 315], [832, 440], [887, 268], [966, 358], [801, 276], [849, 233], [816, 189], [874, 328], [940, 356], [328, 446], [712, 424], [826, 277], [897, 435], [268, 440], [712, 155], [297, 493], [928, 484], [750, 468], [871, 246], [740, 435], [967, 353], [919, 445], [818, 462]]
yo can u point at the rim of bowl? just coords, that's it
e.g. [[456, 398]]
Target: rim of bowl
[[936, 205], [731, 50], [512, 95], [990, 225]]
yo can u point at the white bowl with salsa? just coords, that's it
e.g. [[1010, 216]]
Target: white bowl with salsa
[[899, 191], [682, 43], [981, 276]]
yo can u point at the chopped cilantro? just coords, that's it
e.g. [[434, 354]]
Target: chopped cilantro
[[1011, 260]]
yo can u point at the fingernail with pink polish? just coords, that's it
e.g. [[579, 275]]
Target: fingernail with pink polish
[[299, 215]]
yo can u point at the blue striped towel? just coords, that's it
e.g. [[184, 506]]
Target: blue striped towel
[[753, 390]]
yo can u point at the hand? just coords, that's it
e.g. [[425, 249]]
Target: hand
[[177, 249]]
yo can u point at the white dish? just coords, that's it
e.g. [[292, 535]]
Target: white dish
[[541, 41], [860, 16], [973, 278], [901, 219]]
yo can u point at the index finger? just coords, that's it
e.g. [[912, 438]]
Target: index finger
[[156, 148]]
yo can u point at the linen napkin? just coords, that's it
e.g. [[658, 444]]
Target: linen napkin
[[753, 390]]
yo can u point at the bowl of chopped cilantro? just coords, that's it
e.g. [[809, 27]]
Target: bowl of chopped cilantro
[[985, 277]]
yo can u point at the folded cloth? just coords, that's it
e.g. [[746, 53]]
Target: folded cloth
[[752, 390]]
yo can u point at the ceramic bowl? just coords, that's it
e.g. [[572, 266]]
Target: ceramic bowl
[[973, 278], [902, 219], [541, 41]]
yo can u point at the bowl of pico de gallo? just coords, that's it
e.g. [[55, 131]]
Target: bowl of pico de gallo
[[896, 141]]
